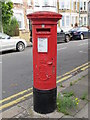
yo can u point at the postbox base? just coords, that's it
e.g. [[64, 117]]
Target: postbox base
[[44, 101]]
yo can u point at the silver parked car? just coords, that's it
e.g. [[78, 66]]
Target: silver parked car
[[8, 43]]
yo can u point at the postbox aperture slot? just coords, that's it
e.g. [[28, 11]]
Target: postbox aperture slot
[[43, 30]]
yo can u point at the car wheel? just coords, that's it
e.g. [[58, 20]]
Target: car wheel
[[82, 36], [20, 46], [67, 38]]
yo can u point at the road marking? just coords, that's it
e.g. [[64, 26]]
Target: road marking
[[74, 69], [82, 44], [62, 48], [20, 99], [15, 95], [25, 96], [15, 101], [82, 52], [25, 91], [85, 68], [62, 79]]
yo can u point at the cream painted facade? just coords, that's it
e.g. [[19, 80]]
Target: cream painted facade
[[83, 12], [45, 5], [70, 13], [20, 10], [89, 14], [24, 7], [70, 10]]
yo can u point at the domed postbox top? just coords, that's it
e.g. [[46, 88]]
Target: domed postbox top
[[44, 16]]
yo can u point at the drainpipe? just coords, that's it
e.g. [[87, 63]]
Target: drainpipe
[[79, 12], [58, 12]]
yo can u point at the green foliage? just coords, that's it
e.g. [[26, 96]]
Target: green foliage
[[12, 28], [68, 94], [84, 96], [66, 102], [71, 83], [7, 11], [61, 85]]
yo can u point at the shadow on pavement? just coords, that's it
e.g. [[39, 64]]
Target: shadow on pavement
[[77, 40], [7, 52]]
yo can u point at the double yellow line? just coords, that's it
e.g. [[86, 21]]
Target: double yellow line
[[27, 93]]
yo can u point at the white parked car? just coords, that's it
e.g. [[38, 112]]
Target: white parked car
[[8, 43]]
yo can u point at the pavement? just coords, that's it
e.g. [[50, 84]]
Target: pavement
[[79, 86]]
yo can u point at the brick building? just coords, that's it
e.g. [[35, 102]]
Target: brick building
[[20, 10], [24, 7], [73, 11]]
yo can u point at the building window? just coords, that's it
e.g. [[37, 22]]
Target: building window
[[29, 2], [67, 20], [81, 5], [72, 4], [84, 5], [68, 4], [17, 1], [73, 20], [84, 20], [89, 7], [45, 2], [54, 3], [63, 21], [76, 19], [36, 3], [76, 6], [30, 25], [64, 4], [81, 23], [61, 4], [20, 18], [49, 3]]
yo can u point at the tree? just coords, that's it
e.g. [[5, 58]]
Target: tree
[[7, 12], [13, 28]]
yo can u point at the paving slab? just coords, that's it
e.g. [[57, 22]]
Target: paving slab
[[26, 104], [73, 112], [33, 114], [83, 113], [12, 112], [66, 83], [0, 116], [68, 116], [55, 114], [80, 88]]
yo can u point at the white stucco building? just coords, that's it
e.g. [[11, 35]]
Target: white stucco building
[[24, 7], [45, 5], [83, 12], [70, 13], [89, 14], [73, 11]]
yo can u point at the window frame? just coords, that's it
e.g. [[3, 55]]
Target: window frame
[[67, 20]]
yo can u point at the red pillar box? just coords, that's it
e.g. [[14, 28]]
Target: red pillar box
[[44, 34]]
